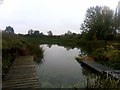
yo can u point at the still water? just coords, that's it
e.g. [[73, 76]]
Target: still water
[[60, 69]]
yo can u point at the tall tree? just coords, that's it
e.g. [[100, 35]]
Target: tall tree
[[107, 21], [9, 29], [36, 32], [50, 33], [98, 22], [30, 32], [68, 33], [117, 17]]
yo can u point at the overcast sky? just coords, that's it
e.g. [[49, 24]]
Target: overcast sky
[[59, 16]]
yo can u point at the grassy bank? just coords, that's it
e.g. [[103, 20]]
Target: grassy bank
[[108, 55], [14, 46]]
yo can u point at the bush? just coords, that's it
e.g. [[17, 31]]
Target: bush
[[14, 46], [110, 58]]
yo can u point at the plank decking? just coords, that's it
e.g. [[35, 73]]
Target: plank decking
[[101, 68], [22, 74]]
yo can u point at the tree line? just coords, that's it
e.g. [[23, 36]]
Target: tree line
[[100, 23]]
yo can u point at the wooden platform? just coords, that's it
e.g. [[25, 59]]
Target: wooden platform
[[101, 69], [22, 74]]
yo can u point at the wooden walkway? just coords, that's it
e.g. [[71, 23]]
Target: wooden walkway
[[22, 74], [101, 69]]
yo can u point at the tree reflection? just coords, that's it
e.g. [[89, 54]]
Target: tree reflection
[[68, 48], [39, 60], [49, 45]]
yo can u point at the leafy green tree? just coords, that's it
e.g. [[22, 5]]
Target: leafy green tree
[[107, 21], [98, 23]]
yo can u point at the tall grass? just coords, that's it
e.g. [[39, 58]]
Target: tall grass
[[104, 81], [14, 46]]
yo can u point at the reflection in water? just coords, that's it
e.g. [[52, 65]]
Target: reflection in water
[[49, 45], [60, 69], [39, 60]]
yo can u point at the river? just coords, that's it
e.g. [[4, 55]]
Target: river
[[59, 69]]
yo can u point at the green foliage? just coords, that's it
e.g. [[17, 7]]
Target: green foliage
[[101, 24], [14, 46], [100, 82], [110, 58], [111, 53], [104, 82], [98, 23]]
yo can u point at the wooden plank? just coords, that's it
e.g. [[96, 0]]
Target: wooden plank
[[95, 66], [21, 74], [101, 68]]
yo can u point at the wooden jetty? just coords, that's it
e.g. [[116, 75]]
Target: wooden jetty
[[22, 74], [95, 66]]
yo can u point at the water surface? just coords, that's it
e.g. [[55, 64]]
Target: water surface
[[60, 69]]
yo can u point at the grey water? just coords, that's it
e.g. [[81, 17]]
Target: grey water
[[59, 69]]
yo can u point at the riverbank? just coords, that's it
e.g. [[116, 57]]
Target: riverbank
[[100, 50], [14, 46], [109, 78], [97, 67]]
